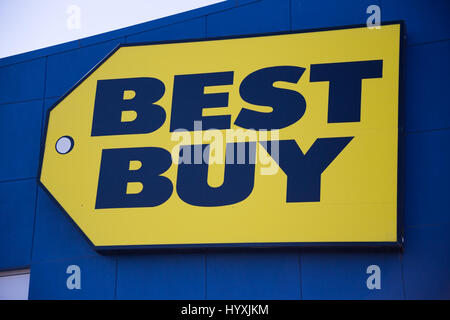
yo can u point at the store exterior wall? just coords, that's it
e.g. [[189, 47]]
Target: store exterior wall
[[35, 233]]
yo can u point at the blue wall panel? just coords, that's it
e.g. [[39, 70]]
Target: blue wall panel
[[20, 136], [427, 178], [343, 275], [65, 69], [48, 103], [191, 29], [163, 22], [326, 13], [257, 17], [48, 280], [36, 54], [22, 81], [17, 203], [56, 237], [425, 84], [426, 262], [161, 276], [426, 20], [421, 271], [253, 275]]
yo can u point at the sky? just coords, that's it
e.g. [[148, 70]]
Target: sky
[[27, 25]]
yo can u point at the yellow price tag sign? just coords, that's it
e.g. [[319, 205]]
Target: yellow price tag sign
[[287, 139]]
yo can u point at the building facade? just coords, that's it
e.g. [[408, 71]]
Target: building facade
[[36, 234]]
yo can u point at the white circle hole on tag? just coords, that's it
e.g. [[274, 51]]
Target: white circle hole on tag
[[64, 145]]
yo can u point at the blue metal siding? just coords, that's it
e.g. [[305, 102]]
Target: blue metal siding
[[22, 81], [98, 274], [427, 21], [55, 236], [256, 17], [253, 275], [20, 137], [326, 13], [426, 261], [53, 243], [342, 275], [161, 276], [65, 69], [427, 185], [425, 84], [190, 29], [17, 203]]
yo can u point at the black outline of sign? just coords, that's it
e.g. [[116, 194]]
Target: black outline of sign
[[324, 245]]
